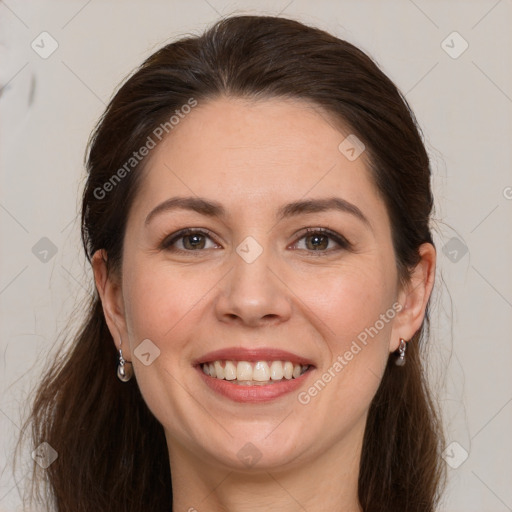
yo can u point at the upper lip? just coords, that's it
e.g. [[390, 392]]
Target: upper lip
[[252, 354]]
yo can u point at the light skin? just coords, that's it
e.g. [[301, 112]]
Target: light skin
[[305, 293]]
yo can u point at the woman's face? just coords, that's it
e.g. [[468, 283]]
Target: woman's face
[[289, 259]]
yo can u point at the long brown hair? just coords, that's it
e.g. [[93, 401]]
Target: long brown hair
[[112, 453]]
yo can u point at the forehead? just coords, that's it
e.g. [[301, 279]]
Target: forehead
[[233, 150]]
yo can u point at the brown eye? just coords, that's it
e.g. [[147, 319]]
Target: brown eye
[[192, 242], [317, 242], [322, 240], [188, 240]]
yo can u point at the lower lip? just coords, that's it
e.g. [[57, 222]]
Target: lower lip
[[255, 393]]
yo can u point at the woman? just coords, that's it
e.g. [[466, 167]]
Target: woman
[[256, 215]]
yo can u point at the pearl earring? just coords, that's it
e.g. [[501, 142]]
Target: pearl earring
[[400, 361], [124, 368]]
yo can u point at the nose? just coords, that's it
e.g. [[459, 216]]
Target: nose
[[253, 294]]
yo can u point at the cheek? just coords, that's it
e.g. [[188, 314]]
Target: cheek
[[351, 299], [158, 299], [342, 303], [355, 306], [164, 306]]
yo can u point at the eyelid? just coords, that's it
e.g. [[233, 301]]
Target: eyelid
[[342, 241], [169, 240]]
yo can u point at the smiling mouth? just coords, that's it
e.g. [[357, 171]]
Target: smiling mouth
[[254, 373]]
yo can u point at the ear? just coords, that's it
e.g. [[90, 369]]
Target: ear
[[414, 297], [110, 292]]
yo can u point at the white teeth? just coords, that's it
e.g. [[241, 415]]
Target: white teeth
[[261, 371], [276, 370], [245, 372], [229, 371], [288, 370], [219, 371]]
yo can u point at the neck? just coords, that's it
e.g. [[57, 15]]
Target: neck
[[327, 482]]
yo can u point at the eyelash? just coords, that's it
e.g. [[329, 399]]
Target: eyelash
[[168, 242]]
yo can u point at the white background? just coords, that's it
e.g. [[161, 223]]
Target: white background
[[48, 108]]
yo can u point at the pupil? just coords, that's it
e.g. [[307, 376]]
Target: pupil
[[318, 241], [194, 241]]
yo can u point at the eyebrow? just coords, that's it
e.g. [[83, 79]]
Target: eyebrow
[[321, 205], [214, 209]]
